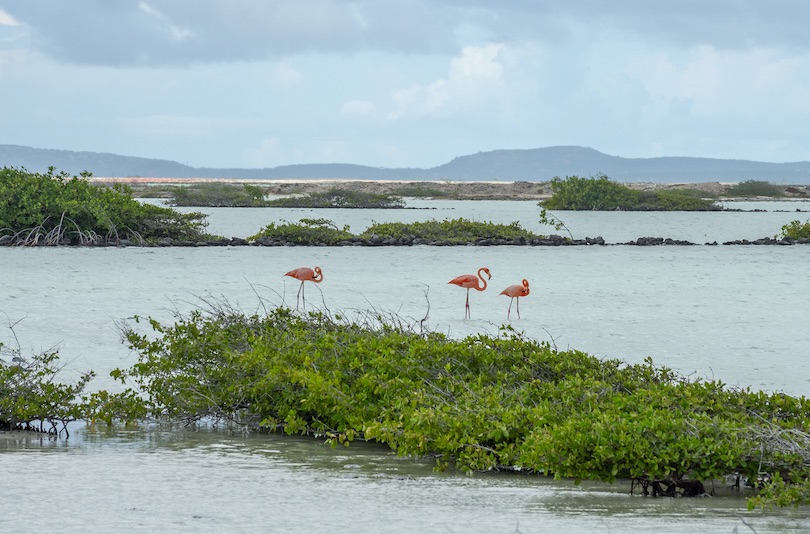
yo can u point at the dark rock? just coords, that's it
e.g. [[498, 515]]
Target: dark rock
[[6, 240]]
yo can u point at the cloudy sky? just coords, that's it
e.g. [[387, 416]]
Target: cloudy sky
[[405, 83]]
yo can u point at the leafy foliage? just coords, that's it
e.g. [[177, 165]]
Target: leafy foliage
[[796, 230], [449, 230], [478, 403], [51, 209], [339, 198], [754, 188], [31, 398], [306, 232], [599, 193], [218, 195]]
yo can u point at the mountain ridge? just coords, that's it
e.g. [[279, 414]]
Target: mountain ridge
[[533, 164]]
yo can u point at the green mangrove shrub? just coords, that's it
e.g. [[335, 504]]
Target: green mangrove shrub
[[339, 198], [305, 232], [31, 398], [599, 193], [55, 208], [479, 403], [796, 230]]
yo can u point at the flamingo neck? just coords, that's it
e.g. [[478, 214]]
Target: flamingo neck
[[484, 286], [318, 275]]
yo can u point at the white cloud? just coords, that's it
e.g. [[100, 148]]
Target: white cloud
[[473, 77], [7, 20], [721, 83]]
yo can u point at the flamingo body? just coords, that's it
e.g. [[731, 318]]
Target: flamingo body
[[515, 292], [305, 274], [471, 281]]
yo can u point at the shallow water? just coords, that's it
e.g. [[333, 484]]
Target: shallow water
[[733, 313], [613, 226]]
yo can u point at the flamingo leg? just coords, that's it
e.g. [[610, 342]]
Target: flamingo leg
[[509, 312], [518, 306], [298, 296], [467, 306]]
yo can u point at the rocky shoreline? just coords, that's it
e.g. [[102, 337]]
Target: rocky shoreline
[[407, 241]]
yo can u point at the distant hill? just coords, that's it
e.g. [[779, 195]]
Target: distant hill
[[533, 165]]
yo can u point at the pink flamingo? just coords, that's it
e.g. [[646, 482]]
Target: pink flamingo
[[470, 281], [305, 274], [515, 292]]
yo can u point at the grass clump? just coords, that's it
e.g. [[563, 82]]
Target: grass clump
[[55, 208], [305, 232], [754, 188], [599, 193], [339, 198], [478, 403]]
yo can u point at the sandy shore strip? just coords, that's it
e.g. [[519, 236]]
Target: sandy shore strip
[[463, 190]]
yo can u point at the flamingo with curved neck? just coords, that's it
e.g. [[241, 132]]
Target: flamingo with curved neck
[[305, 274], [471, 281], [515, 292]]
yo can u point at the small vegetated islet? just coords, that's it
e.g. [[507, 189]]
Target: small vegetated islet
[[599, 193], [479, 403], [448, 231], [305, 232]]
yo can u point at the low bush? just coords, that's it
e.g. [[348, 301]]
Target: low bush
[[31, 398], [218, 195], [754, 188], [55, 208]]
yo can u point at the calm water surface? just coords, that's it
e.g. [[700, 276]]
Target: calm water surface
[[729, 312]]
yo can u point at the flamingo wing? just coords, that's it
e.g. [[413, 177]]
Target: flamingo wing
[[302, 273], [467, 281], [516, 290]]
